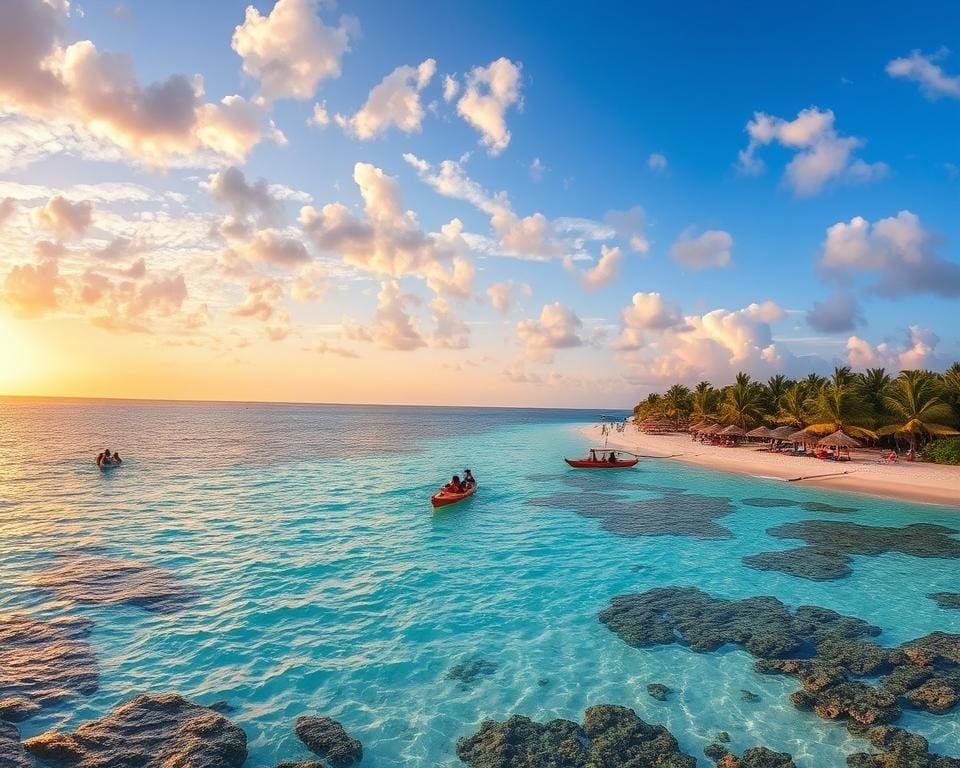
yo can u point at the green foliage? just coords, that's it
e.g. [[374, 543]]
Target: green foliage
[[946, 451]]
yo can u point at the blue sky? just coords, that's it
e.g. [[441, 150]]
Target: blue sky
[[600, 92]]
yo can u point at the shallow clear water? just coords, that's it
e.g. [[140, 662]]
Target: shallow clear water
[[327, 585]]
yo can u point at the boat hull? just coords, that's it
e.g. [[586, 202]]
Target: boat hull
[[588, 464], [445, 499]]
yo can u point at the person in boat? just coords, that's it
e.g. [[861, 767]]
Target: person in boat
[[468, 479], [612, 458], [593, 455], [454, 486]]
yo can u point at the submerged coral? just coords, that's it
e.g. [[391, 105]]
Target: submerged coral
[[468, 672]]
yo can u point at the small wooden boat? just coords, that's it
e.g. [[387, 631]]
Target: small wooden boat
[[444, 498], [602, 463]]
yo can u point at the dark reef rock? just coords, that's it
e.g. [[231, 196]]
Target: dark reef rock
[[764, 626], [755, 757], [150, 731], [849, 699], [11, 750], [723, 737], [809, 506], [610, 736], [43, 662], [897, 749], [468, 672], [750, 696], [659, 691], [716, 751], [108, 581], [674, 514], [832, 543], [329, 740], [946, 599], [299, 764], [17, 708]]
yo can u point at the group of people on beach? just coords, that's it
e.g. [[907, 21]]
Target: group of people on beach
[[107, 459], [456, 485]]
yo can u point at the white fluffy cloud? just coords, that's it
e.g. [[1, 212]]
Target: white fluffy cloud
[[657, 162], [557, 328], [710, 249], [898, 250], [605, 271], [647, 312], [918, 351], [65, 219], [79, 85], [503, 294], [230, 187], [925, 70], [395, 101], [822, 154], [393, 327], [388, 241], [488, 93], [291, 50]]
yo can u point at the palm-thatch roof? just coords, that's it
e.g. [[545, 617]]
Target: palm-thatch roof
[[710, 429], [839, 439], [763, 432], [782, 433], [804, 436], [733, 431], [700, 425]]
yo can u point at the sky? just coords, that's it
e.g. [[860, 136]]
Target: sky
[[472, 203]]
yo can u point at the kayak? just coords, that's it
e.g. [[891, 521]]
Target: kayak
[[444, 498], [591, 464]]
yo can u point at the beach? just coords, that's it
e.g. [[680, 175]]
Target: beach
[[865, 473]]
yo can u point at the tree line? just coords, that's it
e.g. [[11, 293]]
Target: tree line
[[915, 406]]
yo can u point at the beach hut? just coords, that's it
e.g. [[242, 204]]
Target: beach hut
[[841, 443], [782, 433], [762, 433], [699, 426], [733, 431], [804, 436]]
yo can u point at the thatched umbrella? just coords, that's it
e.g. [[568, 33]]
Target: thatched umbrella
[[699, 426], [710, 429], [733, 431], [782, 433], [804, 436], [761, 432], [839, 439]]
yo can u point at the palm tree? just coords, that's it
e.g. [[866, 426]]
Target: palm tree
[[775, 388], [873, 387], [951, 391], [838, 405], [743, 402], [795, 405], [704, 401], [676, 403], [914, 400], [814, 381]]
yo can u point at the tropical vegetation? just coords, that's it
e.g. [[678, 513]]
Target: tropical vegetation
[[913, 409]]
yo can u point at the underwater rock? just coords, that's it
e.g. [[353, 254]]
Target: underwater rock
[[832, 543], [659, 691], [715, 751], [809, 506], [897, 749], [946, 599], [675, 514], [761, 757], [469, 672], [44, 662], [329, 740], [851, 699], [299, 764], [109, 581], [11, 750], [17, 708], [857, 657], [932, 649], [723, 737], [149, 731], [610, 736], [764, 626], [750, 696]]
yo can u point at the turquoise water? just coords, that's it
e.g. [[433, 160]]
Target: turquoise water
[[327, 585]]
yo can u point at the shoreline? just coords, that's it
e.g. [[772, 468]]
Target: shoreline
[[864, 474]]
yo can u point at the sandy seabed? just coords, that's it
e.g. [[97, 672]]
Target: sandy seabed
[[866, 472]]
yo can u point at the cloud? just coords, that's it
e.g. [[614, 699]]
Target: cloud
[[230, 187], [918, 351], [8, 206], [99, 93], [388, 241], [489, 92], [395, 101], [821, 155], [657, 162], [537, 170], [898, 250], [925, 70], [271, 247], [392, 328], [835, 315], [450, 332], [711, 249], [502, 294], [604, 272], [64, 218], [263, 298], [557, 328], [320, 117], [327, 348], [291, 50], [31, 290], [647, 312], [631, 226]]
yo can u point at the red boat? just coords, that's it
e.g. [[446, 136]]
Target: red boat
[[603, 463], [444, 498]]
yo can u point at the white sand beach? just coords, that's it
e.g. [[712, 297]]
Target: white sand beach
[[867, 472]]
